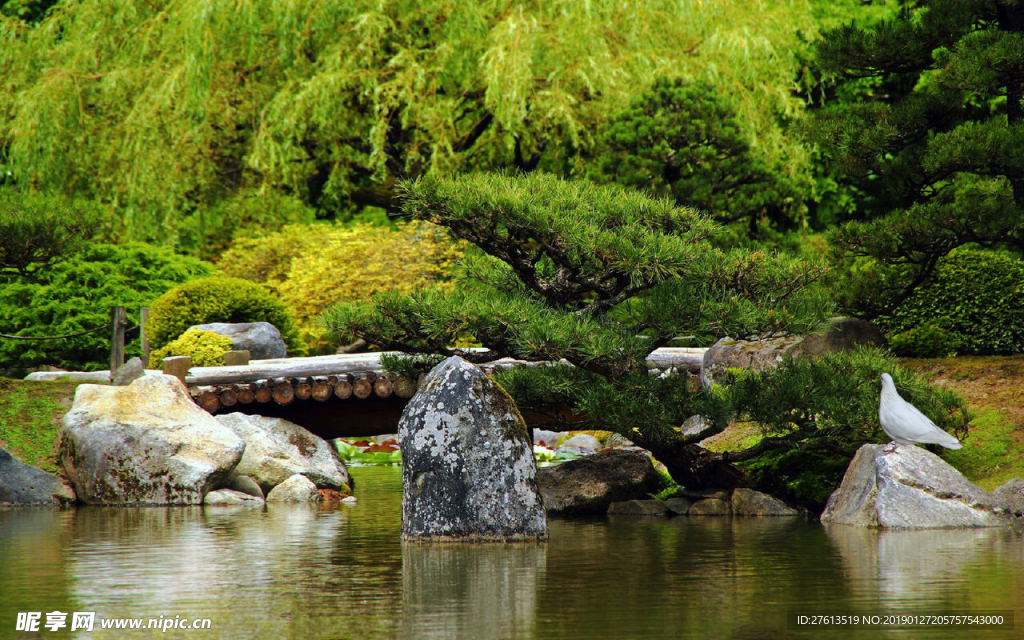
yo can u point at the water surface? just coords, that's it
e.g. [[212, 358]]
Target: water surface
[[300, 572]]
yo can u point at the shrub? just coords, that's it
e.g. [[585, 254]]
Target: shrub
[[973, 305], [206, 349], [217, 299], [316, 266], [76, 295]]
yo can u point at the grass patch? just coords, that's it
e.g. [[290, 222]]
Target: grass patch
[[30, 415]]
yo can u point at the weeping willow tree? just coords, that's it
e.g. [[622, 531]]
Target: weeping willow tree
[[171, 109]]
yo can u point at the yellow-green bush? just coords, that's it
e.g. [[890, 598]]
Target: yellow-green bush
[[218, 299], [206, 349], [317, 266]]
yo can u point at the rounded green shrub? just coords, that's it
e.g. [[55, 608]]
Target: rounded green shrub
[[974, 305], [206, 349], [217, 299], [76, 295]]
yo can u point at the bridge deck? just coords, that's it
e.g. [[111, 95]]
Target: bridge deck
[[343, 395]]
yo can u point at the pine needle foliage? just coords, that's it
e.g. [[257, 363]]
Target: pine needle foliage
[[593, 276], [934, 147]]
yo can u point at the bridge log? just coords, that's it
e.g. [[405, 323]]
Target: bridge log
[[303, 390], [383, 388], [322, 389], [362, 388], [283, 391], [681, 358]]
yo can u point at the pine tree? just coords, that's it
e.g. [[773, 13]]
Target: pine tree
[[933, 143], [596, 277]]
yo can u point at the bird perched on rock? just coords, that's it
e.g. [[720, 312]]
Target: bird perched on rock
[[902, 422]]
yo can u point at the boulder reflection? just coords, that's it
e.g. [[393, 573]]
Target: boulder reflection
[[471, 590]]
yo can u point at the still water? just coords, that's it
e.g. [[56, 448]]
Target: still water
[[309, 573]]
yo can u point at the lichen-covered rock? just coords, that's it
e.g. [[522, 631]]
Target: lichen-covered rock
[[747, 502], [467, 461], [147, 443], [841, 334], [590, 484], [297, 488], [910, 489], [261, 339], [1011, 494], [638, 508], [231, 497], [710, 507], [23, 484], [276, 449]]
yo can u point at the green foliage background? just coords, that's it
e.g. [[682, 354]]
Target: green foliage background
[[77, 295], [206, 349]]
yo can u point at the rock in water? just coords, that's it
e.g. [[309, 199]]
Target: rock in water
[[23, 484], [297, 488], [910, 489], [589, 485], [276, 449], [467, 461], [147, 443]]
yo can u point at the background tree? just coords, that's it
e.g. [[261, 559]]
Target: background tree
[[38, 232], [600, 277], [178, 116], [681, 139], [934, 145]]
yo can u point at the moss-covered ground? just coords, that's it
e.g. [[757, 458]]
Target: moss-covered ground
[[30, 415], [994, 389]]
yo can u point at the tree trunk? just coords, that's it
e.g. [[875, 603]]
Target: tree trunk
[[691, 465]]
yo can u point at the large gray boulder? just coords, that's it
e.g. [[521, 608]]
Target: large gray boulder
[[589, 485], [276, 449], [23, 484], [840, 334], [147, 443], [261, 339], [467, 461], [910, 489]]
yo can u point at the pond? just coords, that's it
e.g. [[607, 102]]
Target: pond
[[317, 573]]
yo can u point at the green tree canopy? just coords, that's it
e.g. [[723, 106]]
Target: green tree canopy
[[164, 108], [934, 145], [600, 277]]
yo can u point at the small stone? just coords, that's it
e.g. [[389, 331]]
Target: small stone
[[747, 502], [231, 497], [710, 507], [696, 427], [678, 506], [349, 500], [581, 442], [700, 494], [331, 495], [23, 484], [297, 488], [638, 508], [246, 485], [128, 373], [547, 438]]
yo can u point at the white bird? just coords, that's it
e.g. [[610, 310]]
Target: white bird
[[902, 422]]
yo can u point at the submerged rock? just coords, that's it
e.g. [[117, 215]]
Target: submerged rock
[[747, 502], [276, 449], [638, 508], [231, 497], [23, 484], [910, 488], [467, 462], [590, 484], [147, 443], [297, 488]]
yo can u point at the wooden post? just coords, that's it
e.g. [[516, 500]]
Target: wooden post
[[236, 358], [117, 321], [143, 336], [177, 366]]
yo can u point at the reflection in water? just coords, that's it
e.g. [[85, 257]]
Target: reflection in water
[[306, 573], [471, 591]]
